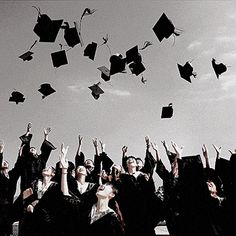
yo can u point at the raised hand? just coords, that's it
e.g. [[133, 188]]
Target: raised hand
[[178, 150], [63, 161], [103, 145], [147, 140], [80, 138], [205, 151], [218, 151], [29, 126], [124, 150], [2, 145], [232, 152]]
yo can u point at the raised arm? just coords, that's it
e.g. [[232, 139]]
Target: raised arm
[[205, 155], [124, 156], [79, 157], [218, 151], [64, 167], [95, 144], [174, 165]]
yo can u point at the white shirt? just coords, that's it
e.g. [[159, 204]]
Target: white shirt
[[82, 187]]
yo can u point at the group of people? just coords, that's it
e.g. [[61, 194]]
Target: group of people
[[100, 197]]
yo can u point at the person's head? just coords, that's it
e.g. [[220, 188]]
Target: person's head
[[106, 190], [140, 163], [89, 165], [5, 165], [131, 162], [81, 170], [48, 171], [33, 151]]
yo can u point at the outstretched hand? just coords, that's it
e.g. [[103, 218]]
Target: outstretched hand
[[154, 147], [2, 145], [124, 149], [29, 126], [147, 140], [205, 151], [80, 138], [47, 131], [217, 149], [178, 150], [63, 161], [103, 145]]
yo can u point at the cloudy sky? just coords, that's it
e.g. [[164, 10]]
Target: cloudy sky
[[204, 111]]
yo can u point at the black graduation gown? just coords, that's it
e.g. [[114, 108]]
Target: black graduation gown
[[108, 225], [133, 196], [7, 192]]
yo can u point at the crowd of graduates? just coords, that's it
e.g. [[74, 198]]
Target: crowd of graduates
[[100, 197]]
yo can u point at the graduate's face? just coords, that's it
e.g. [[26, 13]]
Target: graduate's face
[[33, 150], [81, 170], [139, 164], [105, 191], [48, 171], [131, 162], [5, 165], [89, 165]]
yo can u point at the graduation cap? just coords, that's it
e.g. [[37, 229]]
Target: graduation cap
[[46, 90], [46, 28], [59, 58], [186, 71], [137, 68], [90, 50], [16, 97], [96, 90], [164, 28], [218, 68], [27, 56], [105, 73], [167, 112], [118, 64], [71, 35], [132, 55]]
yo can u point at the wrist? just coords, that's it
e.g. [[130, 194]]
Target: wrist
[[64, 171]]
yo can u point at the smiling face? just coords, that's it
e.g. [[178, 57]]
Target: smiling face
[[48, 171], [105, 191], [139, 164], [89, 165], [81, 170]]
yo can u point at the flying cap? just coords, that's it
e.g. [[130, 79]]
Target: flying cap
[[59, 58], [167, 112], [218, 68], [105, 73], [137, 68], [27, 56], [118, 64], [96, 90], [90, 50], [16, 97], [186, 71], [46, 28], [71, 35], [164, 28], [132, 55], [46, 90]]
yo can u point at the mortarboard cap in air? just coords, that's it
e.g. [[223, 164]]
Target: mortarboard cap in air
[[59, 58], [16, 97], [118, 64], [132, 55], [186, 71], [96, 90], [137, 68], [105, 73], [90, 50], [46, 28], [164, 28], [218, 68], [71, 35], [27, 56], [46, 90], [167, 112]]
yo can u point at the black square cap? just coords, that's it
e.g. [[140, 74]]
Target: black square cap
[[16, 97], [71, 35], [218, 68], [27, 56], [105, 73], [90, 50], [186, 71], [46, 90], [137, 68], [118, 64], [46, 28], [132, 55], [164, 28], [96, 90], [167, 111], [59, 58]]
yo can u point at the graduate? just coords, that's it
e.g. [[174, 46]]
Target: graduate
[[100, 219]]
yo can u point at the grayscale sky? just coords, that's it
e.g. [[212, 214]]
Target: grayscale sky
[[204, 111]]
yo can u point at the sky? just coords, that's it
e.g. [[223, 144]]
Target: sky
[[204, 111]]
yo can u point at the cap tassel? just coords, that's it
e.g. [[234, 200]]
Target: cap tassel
[[146, 44]]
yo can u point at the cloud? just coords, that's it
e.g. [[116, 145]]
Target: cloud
[[225, 39], [75, 88], [194, 45], [121, 93]]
